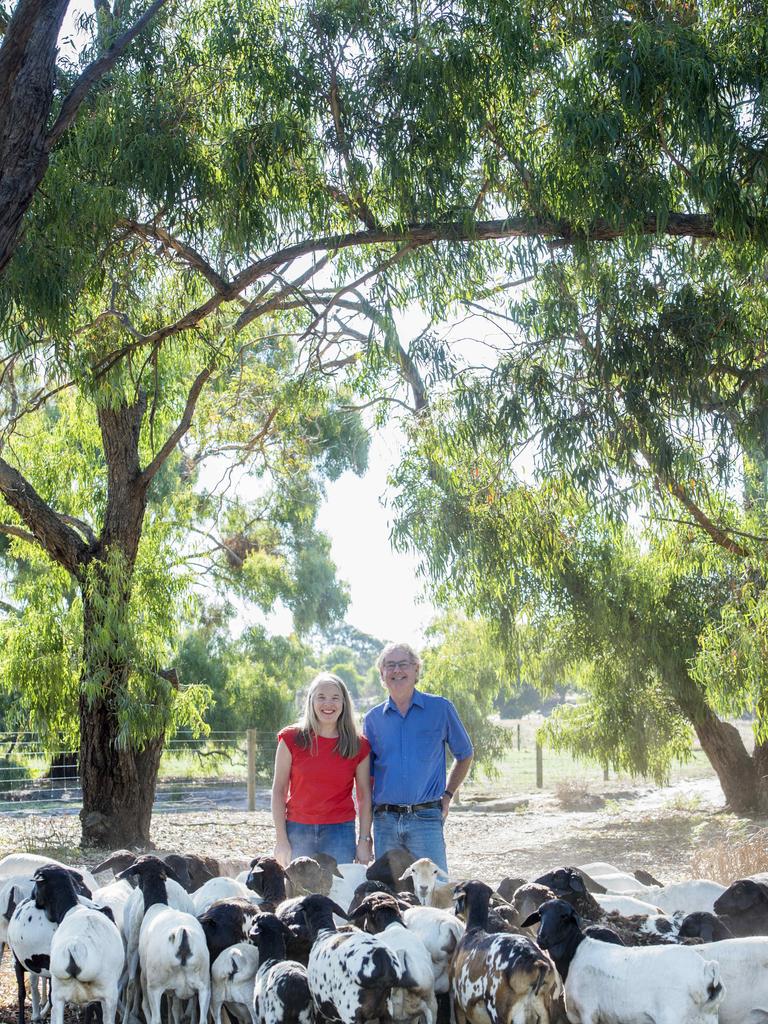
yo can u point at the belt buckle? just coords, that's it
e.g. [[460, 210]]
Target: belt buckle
[[408, 808]]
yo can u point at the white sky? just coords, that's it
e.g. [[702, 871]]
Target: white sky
[[384, 589]]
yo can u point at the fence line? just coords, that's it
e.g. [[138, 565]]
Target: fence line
[[232, 770]]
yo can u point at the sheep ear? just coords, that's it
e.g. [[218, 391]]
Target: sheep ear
[[337, 873], [442, 874], [128, 872], [170, 873], [406, 874], [534, 918], [120, 859], [337, 910]]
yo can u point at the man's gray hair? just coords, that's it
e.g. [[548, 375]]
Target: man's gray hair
[[387, 650]]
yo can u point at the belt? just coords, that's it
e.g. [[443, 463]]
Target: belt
[[407, 808]]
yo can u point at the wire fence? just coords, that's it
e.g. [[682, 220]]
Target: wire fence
[[232, 771]]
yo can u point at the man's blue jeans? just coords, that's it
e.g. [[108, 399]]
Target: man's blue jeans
[[421, 831], [337, 840]]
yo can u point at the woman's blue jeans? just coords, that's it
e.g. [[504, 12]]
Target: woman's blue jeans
[[338, 840], [421, 831]]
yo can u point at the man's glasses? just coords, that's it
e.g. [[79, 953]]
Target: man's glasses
[[390, 666]]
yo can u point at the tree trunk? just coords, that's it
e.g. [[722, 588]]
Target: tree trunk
[[118, 781], [741, 776], [118, 776]]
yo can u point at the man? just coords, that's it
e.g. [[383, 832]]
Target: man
[[408, 733]]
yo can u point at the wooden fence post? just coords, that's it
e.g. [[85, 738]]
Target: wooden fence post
[[518, 737], [251, 746], [539, 767]]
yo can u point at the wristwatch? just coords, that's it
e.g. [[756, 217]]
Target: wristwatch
[[365, 839], [448, 793]]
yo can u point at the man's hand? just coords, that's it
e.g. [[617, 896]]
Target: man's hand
[[446, 805]]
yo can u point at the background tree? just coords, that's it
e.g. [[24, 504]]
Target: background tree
[[463, 663], [252, 175]]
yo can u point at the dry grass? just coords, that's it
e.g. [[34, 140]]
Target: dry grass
[[735, 856], [576, 795]]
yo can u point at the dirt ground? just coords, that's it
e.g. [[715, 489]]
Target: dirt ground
[[663, 831]]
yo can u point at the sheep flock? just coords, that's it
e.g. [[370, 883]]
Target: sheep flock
[[184, 939]]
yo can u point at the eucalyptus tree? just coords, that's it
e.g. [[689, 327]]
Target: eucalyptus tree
[[642, 383], [252, 173]]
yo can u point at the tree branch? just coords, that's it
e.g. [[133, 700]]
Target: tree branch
[[717, 533], [678, 225], [96, 71], [46, 527], [186, 252], [16, 531], [183, 426]]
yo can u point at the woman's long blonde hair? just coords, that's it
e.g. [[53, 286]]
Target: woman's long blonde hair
[[349, 738]]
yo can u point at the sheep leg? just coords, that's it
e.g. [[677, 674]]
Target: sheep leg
[[203, 1002], [109, 1008], [152, 1006], [40, 990], [21, 989], [57, 1010]]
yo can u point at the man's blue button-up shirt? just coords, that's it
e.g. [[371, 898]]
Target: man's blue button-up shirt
[[408, 751]]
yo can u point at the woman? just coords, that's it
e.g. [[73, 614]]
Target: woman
[[316, 764]]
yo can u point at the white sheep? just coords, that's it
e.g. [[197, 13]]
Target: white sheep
[[87, 954], [425, 875], [617, 881], [219, 889], [696, 894], [744, 973], [172, 951], [233, 975], [116, 896], [616, 984], [342, 889], [27, 864], [440, 931], [626, 905]]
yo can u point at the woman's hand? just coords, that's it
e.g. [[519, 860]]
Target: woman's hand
[[282, 852], [364, 851]]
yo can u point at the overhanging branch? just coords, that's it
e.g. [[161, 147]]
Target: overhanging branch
[[95, 72], [45, 526], [183, 426]]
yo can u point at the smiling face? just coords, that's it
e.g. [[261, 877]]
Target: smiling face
[[400, 673], [327, 703]]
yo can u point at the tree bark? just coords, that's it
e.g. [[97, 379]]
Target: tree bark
[[27, 70], [741, 778], [118, 781], [118, 777]]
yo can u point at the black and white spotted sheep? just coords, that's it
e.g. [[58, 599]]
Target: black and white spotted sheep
[[281, 992], [30, 933], [351, 974], [498, 978]]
